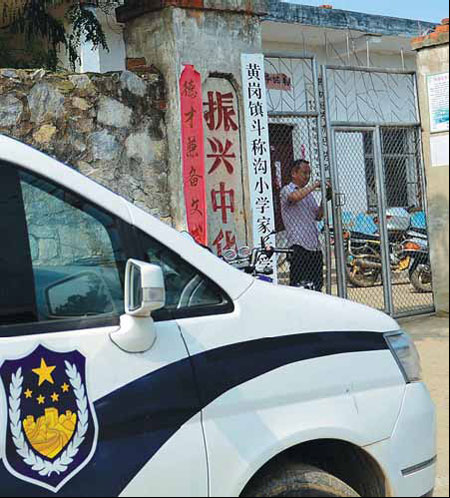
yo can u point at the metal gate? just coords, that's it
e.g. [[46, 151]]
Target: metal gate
[[297, 133], [379, 202], [358, 128]]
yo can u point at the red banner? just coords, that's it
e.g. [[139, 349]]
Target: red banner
[[192, 136]]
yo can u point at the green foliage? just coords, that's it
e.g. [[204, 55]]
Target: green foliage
[[35, 57], [36, 23], [84, 25]]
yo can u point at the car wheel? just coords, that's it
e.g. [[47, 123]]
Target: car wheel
[[298, 480]]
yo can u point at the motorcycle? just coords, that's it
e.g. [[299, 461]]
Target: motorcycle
[[420, 273], [256, 262], [408, 249]]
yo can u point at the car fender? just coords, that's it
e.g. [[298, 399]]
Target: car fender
[[249, 425]]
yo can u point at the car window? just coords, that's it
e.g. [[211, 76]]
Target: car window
[[73, 248], [188, 292]]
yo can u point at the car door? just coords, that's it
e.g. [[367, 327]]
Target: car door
[[78, 415]]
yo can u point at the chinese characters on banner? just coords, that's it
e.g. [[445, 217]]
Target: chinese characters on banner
[[258, 146], [224, 182], [192, 135], [438, 95]]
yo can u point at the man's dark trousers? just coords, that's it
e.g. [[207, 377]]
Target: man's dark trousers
[[307, 268]]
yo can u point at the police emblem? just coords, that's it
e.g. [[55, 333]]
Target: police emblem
[[50, 431]]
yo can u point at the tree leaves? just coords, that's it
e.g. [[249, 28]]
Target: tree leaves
[[38, 23]]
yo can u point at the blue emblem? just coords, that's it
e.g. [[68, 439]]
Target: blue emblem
[[50, 431]]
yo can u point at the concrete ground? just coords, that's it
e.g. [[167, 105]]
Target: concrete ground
[[405, 298], [432, 338]]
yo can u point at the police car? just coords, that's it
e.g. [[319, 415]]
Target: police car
[[135, 363]]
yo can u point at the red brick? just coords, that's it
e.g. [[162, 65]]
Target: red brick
[[446, 21], [161, 105], [136, 63], [195, 4], [419, 39], [135, 8], [443, 29]]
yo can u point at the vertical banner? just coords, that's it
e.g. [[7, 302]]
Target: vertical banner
[[224, 166], [193, 151], [258, 149]]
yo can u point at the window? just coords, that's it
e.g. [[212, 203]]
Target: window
[[401, 152], [401, 157], [62, 259], [188, 293]]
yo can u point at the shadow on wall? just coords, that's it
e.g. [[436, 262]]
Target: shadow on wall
[[439, 239]]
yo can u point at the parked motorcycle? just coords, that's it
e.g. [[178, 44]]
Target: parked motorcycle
[[257, 262], [420, 269], [408, 252]]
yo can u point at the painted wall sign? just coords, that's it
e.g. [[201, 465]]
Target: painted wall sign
[[224, 180], [192, 134], [278, 81], [258, 148], [438, 94]]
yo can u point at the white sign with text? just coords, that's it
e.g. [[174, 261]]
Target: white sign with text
[[438, 95], [258, 152]]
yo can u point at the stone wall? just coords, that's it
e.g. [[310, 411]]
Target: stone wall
[[109, 127]]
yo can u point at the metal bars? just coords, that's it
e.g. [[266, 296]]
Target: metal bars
[[378, 178], [362, 96], [296, 134], [359, 129]]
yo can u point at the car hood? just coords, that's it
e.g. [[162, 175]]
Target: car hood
[[297, 310]]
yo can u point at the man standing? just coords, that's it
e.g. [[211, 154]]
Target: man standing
[[301, 214]]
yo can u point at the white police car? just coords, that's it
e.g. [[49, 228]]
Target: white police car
[[135, 363]]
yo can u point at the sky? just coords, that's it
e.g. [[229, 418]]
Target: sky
[[423, 10]]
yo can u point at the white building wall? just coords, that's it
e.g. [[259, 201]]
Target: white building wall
[[99, 60], [114, 58], [353, 184]]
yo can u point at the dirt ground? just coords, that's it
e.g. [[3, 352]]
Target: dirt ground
[[432, 338]]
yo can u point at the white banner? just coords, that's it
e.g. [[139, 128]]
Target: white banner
[[258, 151], [438, 95]]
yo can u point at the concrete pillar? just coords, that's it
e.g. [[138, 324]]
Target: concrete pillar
[[433, 60], [210, 34]]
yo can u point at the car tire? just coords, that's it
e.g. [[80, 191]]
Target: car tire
[[298, 480]]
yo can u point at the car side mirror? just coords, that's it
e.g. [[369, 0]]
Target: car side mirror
[[145, 293]]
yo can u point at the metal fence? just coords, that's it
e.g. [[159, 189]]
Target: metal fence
[[380, 211], [354, 134], [405, 186], [297, 145]]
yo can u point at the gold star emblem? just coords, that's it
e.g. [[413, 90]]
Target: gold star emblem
[[44, 373], [41, 399], [55, 397], [65, 388], [28, 394]]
